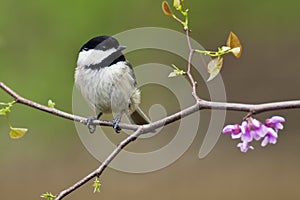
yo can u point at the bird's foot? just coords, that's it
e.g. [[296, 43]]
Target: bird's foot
[[115, 122], [89, 123]]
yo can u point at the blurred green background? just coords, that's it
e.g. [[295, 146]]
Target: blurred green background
[[39, 41]]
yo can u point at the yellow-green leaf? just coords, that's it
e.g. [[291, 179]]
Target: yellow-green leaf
[[48, 196], [3, 111], [16, 133], [214, 67], [51, 104], [234, 42], [166, 8], [176, 4], [97, 185]]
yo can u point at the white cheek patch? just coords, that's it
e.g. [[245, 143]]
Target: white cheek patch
[[93, 56]]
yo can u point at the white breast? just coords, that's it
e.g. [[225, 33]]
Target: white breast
[[109, 89]]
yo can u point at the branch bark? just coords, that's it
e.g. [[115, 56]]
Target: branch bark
[[102, 167], [199, 105], [142, 129]]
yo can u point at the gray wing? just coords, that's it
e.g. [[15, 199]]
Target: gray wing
[[131, 72]]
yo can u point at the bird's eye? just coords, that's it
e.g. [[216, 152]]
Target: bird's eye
[[85, 49]]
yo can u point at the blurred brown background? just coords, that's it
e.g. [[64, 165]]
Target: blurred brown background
[[39, 41]]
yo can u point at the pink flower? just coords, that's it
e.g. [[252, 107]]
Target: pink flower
[[276, 122], [271, 137], [253, 129], [244, 146], [234, 130]]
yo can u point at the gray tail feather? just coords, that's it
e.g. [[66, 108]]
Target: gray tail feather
[[139, 117]]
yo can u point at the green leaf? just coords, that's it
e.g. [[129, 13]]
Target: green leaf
[[48, 196], [16, 133], [214, 67], [176, 72], [51, 104], [96, 185], [177, 4], [3, 111]]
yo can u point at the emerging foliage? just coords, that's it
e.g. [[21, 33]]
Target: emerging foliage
[[214, 67], [178, 5], [6, 107], [17, 133], [96, 185], [51, 104], [176, 72], [48, 196], [166, 8], [233, 46], [234, 43]]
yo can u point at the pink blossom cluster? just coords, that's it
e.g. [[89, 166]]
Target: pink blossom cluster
[[252, 129]]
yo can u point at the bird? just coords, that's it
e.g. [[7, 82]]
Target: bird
[[107, 82]]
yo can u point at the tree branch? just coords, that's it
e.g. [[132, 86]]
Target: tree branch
[[142, 129], [199, 105], [59, 113], [102, 167]]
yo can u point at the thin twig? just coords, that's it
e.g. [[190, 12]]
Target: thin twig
[[191, 53], [102, 167]]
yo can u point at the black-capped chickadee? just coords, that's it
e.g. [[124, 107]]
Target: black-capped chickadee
[[107, 81]]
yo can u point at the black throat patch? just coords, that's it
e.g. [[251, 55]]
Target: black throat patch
[[108, 61]]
